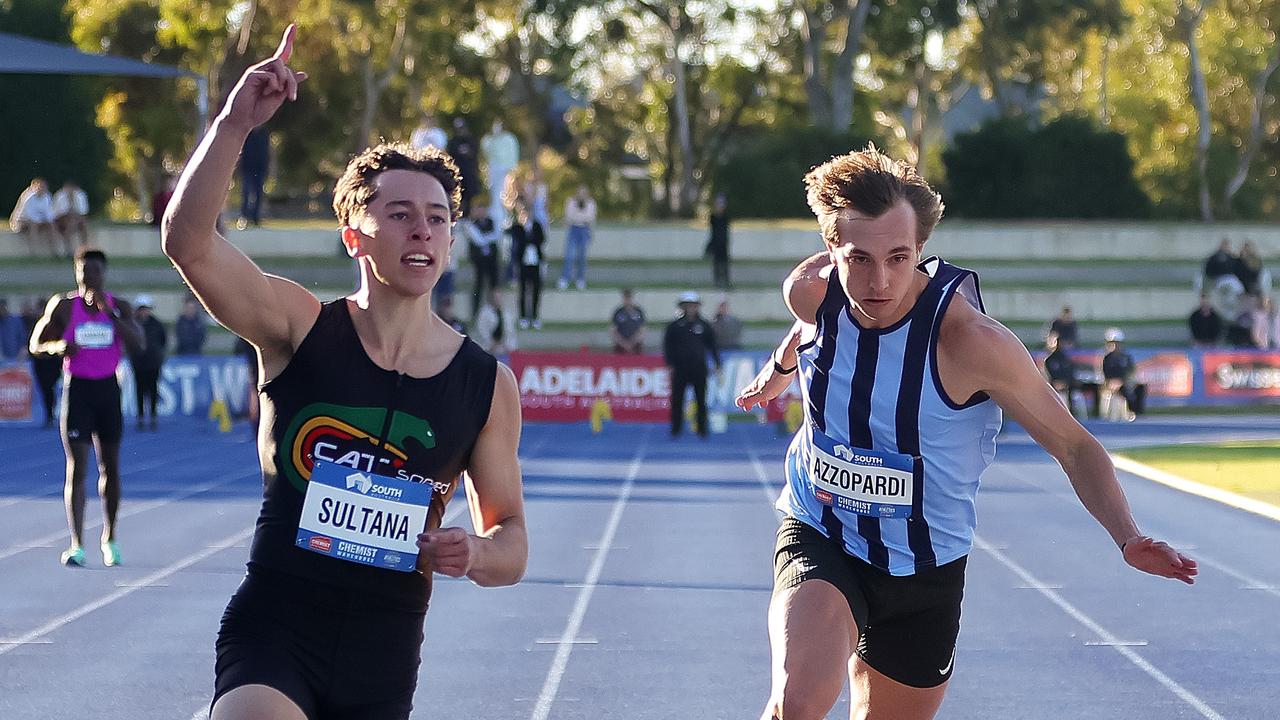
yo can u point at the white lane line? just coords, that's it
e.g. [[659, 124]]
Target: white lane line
[[1103, 634], [130, 510], [1225, 497], [105, 600], [569, 637], [1250, 582], [770, 493]]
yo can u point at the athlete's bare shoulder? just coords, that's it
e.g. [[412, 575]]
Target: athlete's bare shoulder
[[806, 285], [975, 351]]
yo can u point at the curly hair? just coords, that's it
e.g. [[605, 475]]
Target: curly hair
[[356, 188], [870, 182]]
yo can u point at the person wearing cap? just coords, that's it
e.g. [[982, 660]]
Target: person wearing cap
[[1118, 372], [685, 345], [148, 360]]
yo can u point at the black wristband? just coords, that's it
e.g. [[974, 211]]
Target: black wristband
[[777, 367]]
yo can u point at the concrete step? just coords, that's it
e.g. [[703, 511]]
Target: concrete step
[[775, 240]]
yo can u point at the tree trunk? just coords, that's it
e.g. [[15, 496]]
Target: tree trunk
[[993, 57], [1190, 19], [918, 101], [813, 33], [842, 69], [1254, 141], [369, 84]]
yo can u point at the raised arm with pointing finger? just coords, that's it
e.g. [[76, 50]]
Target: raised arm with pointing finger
[[373, 410]]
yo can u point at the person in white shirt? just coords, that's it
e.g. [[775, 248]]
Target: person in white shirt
[[71, 213], [579, 215], [429, 134], [500, 151], [33, 217]]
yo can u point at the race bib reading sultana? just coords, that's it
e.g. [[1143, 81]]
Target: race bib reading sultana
[[362, 517], [866, 482]]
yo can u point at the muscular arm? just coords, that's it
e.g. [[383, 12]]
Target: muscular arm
[[976, 353], [46, 336], [499, 551], [803, 291], [271, 312]]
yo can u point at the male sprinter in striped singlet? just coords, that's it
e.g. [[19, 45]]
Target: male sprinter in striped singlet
[[904, 379], [372, 408], [91, 329]]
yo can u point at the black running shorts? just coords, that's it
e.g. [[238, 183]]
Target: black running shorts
[[335, 653], [907, 625], [92, 407]]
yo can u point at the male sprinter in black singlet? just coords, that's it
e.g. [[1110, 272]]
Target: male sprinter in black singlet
[[372, 408]]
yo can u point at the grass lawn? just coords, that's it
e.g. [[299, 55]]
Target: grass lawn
[[1250, 468]]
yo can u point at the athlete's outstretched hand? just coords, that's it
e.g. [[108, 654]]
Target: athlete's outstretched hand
[[264, 87], [448, 551], [767, 385], [1157, 558]]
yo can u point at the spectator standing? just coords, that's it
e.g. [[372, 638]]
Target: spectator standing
[[1064, 326], [428, 134], [255, 162], [718, 243], [1205, 324], [728, 328], [527, 239], [536, 196], [1249, 268], [160, 198], [45, 367], [465, 152], [580, 216], [1060, 368], [482, 237], [71, 214], [13, 336], [148, 360], [1221, 263], [190, 328], [627, 331], [33, 217], [495, 331], [500, 151], [685, 346]]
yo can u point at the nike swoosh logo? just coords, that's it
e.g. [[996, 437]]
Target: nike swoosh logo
[[950, 662]]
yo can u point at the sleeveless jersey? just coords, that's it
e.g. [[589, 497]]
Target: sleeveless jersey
[[333, 403], [95, 333], [879, 390]]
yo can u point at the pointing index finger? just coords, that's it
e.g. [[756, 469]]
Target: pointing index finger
[[286, 43]]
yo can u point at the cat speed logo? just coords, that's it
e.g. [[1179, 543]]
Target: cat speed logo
[[348, 436]]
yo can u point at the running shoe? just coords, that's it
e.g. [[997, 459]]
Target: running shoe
[[110, 553], [73, 556]]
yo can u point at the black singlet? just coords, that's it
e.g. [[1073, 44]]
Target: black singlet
[[329, 403]]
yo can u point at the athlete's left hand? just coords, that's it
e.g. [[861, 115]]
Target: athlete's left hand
[[448, 551], [1157, 558]]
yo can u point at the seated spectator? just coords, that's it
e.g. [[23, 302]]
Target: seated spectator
[[190, 329], [728, 328], [1249, 268], [445, 311], [1205, 324], [13, 335], [1247, 331], [1064, 326], [495, 326], [1061, 370], [1119, 373], [33, 217], [628, 325], [71, 214]]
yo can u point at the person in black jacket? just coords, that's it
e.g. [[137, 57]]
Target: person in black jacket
[[148, 361], [527, 238], [685, 345], [718, 243], [1205, 323]]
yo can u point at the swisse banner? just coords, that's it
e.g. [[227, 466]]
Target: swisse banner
[[568, 387], [1239, 374]]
